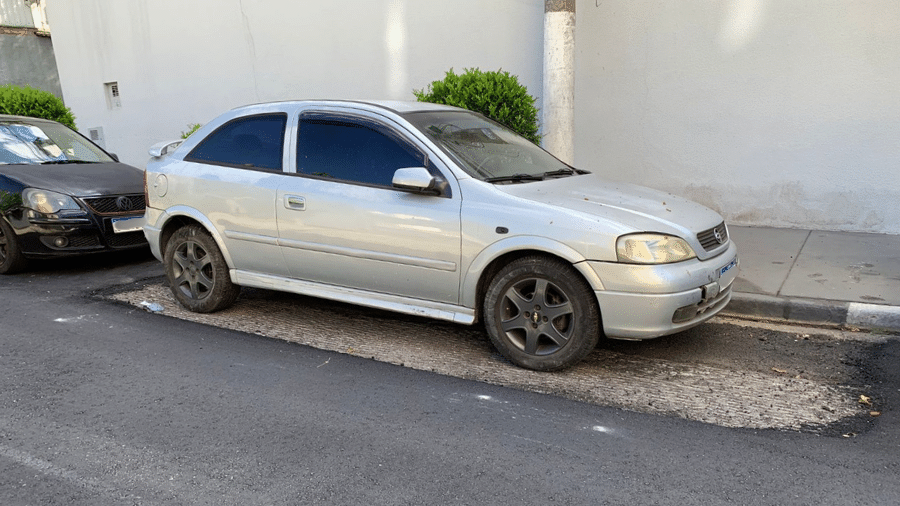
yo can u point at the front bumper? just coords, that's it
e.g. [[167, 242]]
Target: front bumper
[[47, 238], [647, 301]]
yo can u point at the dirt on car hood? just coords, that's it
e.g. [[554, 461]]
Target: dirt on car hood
[[619, 202]]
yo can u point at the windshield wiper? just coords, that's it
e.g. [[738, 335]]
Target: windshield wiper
[[514, 178], [565, 172], [560, 172], [62, 162]]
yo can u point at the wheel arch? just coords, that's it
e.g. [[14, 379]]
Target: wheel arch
[[486, 265], [177, 218]]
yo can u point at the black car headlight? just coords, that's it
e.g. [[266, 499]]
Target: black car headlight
[[52, 203]]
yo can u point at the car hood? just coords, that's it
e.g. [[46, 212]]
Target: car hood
[[80, 180], [636, 207]]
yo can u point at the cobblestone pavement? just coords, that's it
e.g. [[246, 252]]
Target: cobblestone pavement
[[731, 373]]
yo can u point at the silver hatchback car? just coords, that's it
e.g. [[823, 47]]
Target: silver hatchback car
[[434, 211]]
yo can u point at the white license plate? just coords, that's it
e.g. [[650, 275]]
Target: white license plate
[[131, 224], [728, 267]]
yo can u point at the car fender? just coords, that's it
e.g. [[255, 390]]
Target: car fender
[[165, 217], [469, 285]]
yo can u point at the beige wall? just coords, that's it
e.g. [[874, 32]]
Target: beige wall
[[774, 112]]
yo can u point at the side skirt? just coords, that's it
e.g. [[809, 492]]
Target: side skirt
[[406, 305]]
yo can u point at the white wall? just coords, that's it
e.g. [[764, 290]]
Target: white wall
[[180, 62], [774, 112]]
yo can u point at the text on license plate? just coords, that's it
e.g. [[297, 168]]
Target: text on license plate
[[130, 224], [728, 267]]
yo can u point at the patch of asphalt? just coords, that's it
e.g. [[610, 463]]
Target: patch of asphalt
[[726, 394]]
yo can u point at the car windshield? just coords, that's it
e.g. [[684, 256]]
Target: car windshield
[[487, 150], [41, 142]]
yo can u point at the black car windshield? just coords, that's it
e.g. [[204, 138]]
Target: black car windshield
[[487, 150], [24, 142]]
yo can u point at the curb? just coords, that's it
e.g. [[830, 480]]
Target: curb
[[814, 311]]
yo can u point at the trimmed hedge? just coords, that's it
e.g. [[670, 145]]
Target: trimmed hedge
[[498, 95], [35, 103]]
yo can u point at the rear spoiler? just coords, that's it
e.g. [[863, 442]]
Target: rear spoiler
[[161, 149]]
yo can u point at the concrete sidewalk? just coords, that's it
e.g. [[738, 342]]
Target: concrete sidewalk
[[810, 276]]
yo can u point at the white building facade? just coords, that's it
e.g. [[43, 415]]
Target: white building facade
[[774, 113]]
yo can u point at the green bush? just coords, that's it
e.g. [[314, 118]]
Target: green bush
[[35, 103], [498, 95], [193, 127]]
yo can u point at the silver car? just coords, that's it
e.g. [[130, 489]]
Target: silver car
[[434, 211]]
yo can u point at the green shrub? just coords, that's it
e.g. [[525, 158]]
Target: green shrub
[[35, 103], [498, 95], [193, 127]]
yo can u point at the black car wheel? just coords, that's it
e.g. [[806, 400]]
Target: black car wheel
[[11, 258], [541, 314], [197, 271]]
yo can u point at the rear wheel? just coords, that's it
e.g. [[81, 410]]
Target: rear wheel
[[541, 314], [197, 271], [11, 258]]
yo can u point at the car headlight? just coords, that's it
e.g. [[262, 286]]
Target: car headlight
[[652, 249], [48, 202]]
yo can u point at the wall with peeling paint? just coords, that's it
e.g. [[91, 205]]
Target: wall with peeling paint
[[774, 113]]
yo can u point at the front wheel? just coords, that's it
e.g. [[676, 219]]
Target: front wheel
[[11, 258], [540, 314], [197, 272]]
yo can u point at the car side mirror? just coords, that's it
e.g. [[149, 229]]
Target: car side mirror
[[416, 179], [114, 156]]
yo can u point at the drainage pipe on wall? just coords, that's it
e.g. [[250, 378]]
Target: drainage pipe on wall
[[558, 107]]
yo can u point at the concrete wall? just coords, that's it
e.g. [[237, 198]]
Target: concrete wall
[[27, 60], [16, 13], [182, 62], [774, 112]]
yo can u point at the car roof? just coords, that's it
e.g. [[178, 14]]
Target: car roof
[[24, 119], [397, 106]]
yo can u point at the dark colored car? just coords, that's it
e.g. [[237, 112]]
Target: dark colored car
[[61, 194]]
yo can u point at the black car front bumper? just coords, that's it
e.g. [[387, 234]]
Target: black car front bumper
[[41, 236]]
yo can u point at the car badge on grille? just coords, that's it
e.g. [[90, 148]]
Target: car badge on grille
[[720, 238], [125, 204]]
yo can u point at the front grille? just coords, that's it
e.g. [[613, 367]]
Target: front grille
[[117, 204], [75, 242], [126, 240], [714, 237]]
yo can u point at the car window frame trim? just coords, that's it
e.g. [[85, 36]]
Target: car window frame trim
[[379, 126], [284, 139]]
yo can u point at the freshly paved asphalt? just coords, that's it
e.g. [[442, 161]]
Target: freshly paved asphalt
[[101, 403]]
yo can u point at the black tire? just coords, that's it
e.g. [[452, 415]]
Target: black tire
[[11, 258], [541, 314], [197, 272]]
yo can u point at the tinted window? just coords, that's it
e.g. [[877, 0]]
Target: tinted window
[[351, 151], [254, 142]]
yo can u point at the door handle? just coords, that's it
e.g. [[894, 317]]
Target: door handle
[[295, 202]]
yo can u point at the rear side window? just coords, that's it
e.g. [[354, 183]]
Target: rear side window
[[255, 142], [353, 151]]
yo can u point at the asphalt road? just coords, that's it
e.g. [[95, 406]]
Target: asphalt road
[[104, 403]]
